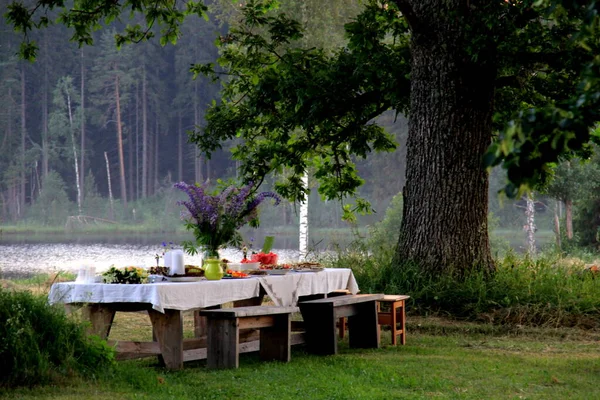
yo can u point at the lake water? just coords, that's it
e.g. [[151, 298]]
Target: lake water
[[23, 255]]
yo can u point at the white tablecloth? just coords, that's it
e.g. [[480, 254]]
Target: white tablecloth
[[284, 290]]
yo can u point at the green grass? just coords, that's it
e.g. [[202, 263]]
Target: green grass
[[444, 360]]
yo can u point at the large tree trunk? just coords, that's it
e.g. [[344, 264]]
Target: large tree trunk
[[444, 223]]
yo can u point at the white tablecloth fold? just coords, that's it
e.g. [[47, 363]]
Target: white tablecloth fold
[[283, 290]]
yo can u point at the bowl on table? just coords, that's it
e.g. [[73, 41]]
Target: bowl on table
[[250, 266]]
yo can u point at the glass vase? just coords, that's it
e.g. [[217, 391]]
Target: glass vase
[[212, 265]]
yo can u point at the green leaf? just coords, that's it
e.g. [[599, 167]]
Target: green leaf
[[268, 244]]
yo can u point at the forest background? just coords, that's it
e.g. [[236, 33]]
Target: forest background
[[102, 133]]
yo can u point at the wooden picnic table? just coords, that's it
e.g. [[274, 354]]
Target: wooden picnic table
[[165, 302]]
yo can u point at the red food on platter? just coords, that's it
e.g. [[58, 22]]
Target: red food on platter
[[265, 259]]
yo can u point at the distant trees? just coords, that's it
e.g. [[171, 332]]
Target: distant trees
[[159, 103]]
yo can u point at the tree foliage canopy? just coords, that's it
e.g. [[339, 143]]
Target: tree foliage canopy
[[296, 107], [86, 16]]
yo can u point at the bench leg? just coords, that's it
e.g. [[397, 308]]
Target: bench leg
[[275, 342], [363, 326], [321, 335], [168, 331], [222, 343]]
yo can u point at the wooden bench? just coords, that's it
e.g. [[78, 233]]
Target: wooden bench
[[224, 327], [320, 317], [395, 315]]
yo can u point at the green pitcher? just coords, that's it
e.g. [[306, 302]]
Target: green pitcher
[[212, 269]]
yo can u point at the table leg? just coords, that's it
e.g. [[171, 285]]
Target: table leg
[[101, 318], [168, 329], [200, 328]]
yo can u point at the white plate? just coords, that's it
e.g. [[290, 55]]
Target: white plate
[[184, 278]]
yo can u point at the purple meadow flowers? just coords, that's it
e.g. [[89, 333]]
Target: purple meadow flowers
[[216, 218]]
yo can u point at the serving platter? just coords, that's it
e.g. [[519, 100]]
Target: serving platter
[[308, 269], [184, 278], [277, 271]]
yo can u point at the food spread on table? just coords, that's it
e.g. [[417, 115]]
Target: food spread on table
[[235, 275]]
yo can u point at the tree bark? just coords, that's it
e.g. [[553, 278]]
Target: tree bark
[[180, 134], [82, 151], [198, 177], [130, 179], [45, 91], [156, 159], [111, 216], [23, 136], [557, 225], [569, 218], [444, 223], [120, 144], [530, 225], [303, 223], [74, 148], [144, 136], [137, 141]]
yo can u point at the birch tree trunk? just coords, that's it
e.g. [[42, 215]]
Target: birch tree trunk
[[110, 194], [144, 136], [198, 176], [130, 179], [303, 236], [23, 136], [75, 159], [137, 141], [45, 153], [82, 151], [530, 225], [156, 159], [569, 218], [557, 224], [180, 147], [120, 144]]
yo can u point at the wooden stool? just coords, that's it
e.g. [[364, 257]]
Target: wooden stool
[[396, 315]]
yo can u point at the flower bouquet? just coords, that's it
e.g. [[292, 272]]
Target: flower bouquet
[[215, 218], [132, 275]]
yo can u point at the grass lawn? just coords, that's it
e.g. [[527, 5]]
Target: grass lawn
[[442, 360]]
